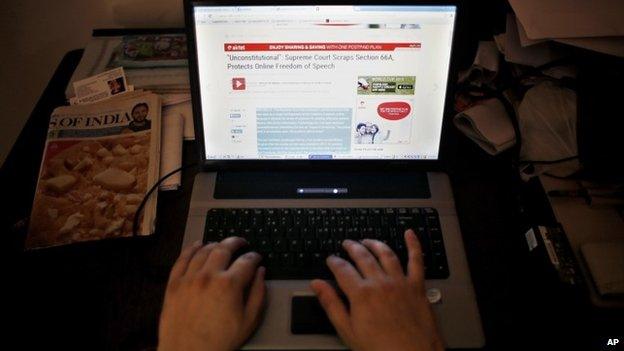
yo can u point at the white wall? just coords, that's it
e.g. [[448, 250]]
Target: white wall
[[35, 34]]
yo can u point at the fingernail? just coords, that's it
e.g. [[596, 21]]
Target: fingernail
[[251, 255], [261, 271], [197, 243], [347, 242], [313, 286]]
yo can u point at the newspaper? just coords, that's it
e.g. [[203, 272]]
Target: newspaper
[[98, 163]]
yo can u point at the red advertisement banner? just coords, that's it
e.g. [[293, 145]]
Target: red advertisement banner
[[229, 47]]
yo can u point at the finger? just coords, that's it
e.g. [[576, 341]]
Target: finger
[[220, 258], [255, 301], [200, 258], [364, 260], [346, 275], [334, 307], [244, 268], [181, 264], [415, 268], [387, 258]]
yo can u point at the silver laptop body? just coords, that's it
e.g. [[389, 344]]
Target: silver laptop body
[[456, 312]]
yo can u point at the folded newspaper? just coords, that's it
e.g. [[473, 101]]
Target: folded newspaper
[[98, 163], [102, 87]]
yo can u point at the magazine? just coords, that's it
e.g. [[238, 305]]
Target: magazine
[[98, 163], [149, 51]]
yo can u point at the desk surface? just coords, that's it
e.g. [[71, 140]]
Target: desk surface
[[108, 294]]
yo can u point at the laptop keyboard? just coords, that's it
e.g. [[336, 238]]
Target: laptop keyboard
[[294, 242]]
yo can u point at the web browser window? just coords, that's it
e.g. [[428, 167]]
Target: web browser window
[[323, 82]]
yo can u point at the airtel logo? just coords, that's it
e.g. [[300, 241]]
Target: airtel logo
[[394, 110]]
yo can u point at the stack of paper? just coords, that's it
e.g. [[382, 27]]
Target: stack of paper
[[535, 53], [595, 25]]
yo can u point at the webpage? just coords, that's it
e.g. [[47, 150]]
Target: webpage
[[323, 82]]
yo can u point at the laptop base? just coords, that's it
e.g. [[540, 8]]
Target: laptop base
[[456, 312]]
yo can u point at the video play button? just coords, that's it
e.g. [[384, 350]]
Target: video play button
[[238, 83]]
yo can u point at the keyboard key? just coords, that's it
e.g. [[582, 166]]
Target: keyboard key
[[295, 245], [277, 233], [292, 233], [328, 245], [264, 245], [279, 245], [338, 233], [322, 233], [247, 233], [287, 259], [307, 232], [262, 233], [270, 259], [303, 259], [310, 245]]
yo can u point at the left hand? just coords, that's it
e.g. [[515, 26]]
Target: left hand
[[211, 304]]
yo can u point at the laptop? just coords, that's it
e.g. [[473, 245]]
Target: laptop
[[316, 123]]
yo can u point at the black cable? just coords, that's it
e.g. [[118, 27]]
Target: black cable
[[135, 222], [546, 162]]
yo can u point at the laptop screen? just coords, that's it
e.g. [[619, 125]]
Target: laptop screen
[[323, 82]]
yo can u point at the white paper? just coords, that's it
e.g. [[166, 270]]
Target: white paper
[[486, 62], [487, 56], [171, 149], [530, 239], [534, 55], [186, 110], [173, 99], [101, 86], [524, 39], [545, 19], [606, 45], [488, 125]]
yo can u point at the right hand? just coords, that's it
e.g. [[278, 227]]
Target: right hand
[[388, 308]]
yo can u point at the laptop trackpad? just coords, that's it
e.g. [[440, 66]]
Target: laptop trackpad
[[308, 317]]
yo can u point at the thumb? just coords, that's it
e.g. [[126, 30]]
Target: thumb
[[255, 303], [334, 307]]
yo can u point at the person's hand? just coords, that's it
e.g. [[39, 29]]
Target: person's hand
[[211, 304], [388, 310]]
